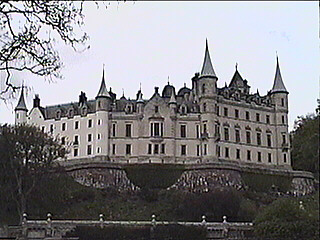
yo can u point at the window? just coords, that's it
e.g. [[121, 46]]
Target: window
[[75, 152], [17, 115], [247, 115], [198, 131], [268, 119], [282, 102], [128, 130], [236, 113], [259, 156], [258, 138], [238, 154], [76, 125], [89, 149], [89, 137], [225, 112], [205, 149], [205, 107], [89, 123], [269, 140], [43, 128], [237, 135], [218, 151], [156, 109], [198, 150], [63, 140], [226, 134], [183, 131], [63, 127], [70, 113], [248, 135], [284, 158], [163, 148], [183, 150], [156, 149], [269, 158], [283, 119], [51, 128], [114, 126], [226, 152], [76, 140], [183, 110], [149, 148], [284, 139], [248, 155], [99, 121], [113, 149], [98, 150], [156, 129], [217, 110], [203, 88], [217, 130], [205, 128], [257, 117], [99, 136], [128, 149]]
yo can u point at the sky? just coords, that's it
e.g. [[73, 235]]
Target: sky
[[148, 42]]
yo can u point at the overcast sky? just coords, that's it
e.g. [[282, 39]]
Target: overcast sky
[[145, 42]]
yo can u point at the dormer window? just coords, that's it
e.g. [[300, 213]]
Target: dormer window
[[70, 113], [58, 114], [129, 108], [183, 109], [156, 109], [84, 111]]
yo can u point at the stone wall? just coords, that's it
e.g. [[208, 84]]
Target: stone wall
[[196, 178]]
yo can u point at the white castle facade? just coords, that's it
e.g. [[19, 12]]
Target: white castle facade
[[200, 124]]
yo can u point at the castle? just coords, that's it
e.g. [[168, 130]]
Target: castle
[[199, 125]]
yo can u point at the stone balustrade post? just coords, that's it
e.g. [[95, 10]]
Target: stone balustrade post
[[204, 222], [153, 219]]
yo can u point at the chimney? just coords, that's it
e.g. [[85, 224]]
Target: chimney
[[36, 101]]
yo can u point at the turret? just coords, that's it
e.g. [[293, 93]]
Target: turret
[[279, 97], [103, 98], [279, 93], [207, 80], [21, 109], [173, 103], [140, 102]]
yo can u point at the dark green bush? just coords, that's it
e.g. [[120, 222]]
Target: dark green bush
[[154, 176], [264, 182]]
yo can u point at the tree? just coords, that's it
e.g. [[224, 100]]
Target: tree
[[305, 144], [27, 155], [289, 218], [28, 30]]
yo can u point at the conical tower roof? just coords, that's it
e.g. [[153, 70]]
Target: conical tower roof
[[278, 85], [21, 103], [207, 68], [103, 92], [173, 98]]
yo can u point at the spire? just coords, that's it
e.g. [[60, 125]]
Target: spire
[[139, 96], [103, 92], [207, 68], [172, 98], [21, 103], [278, 85]]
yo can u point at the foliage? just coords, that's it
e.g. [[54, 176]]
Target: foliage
[[305, 144], [286, 219], [264, 182], [28, 32], [214, 205], [174, 232], [26, 158], [154, 176]]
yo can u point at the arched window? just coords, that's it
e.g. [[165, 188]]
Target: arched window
[[203, 88], [70, 113]]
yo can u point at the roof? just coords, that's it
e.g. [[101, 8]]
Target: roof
[[237, 80], [21, 103], [207, 68], [103, 92], [278, 85], [167, 90]]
